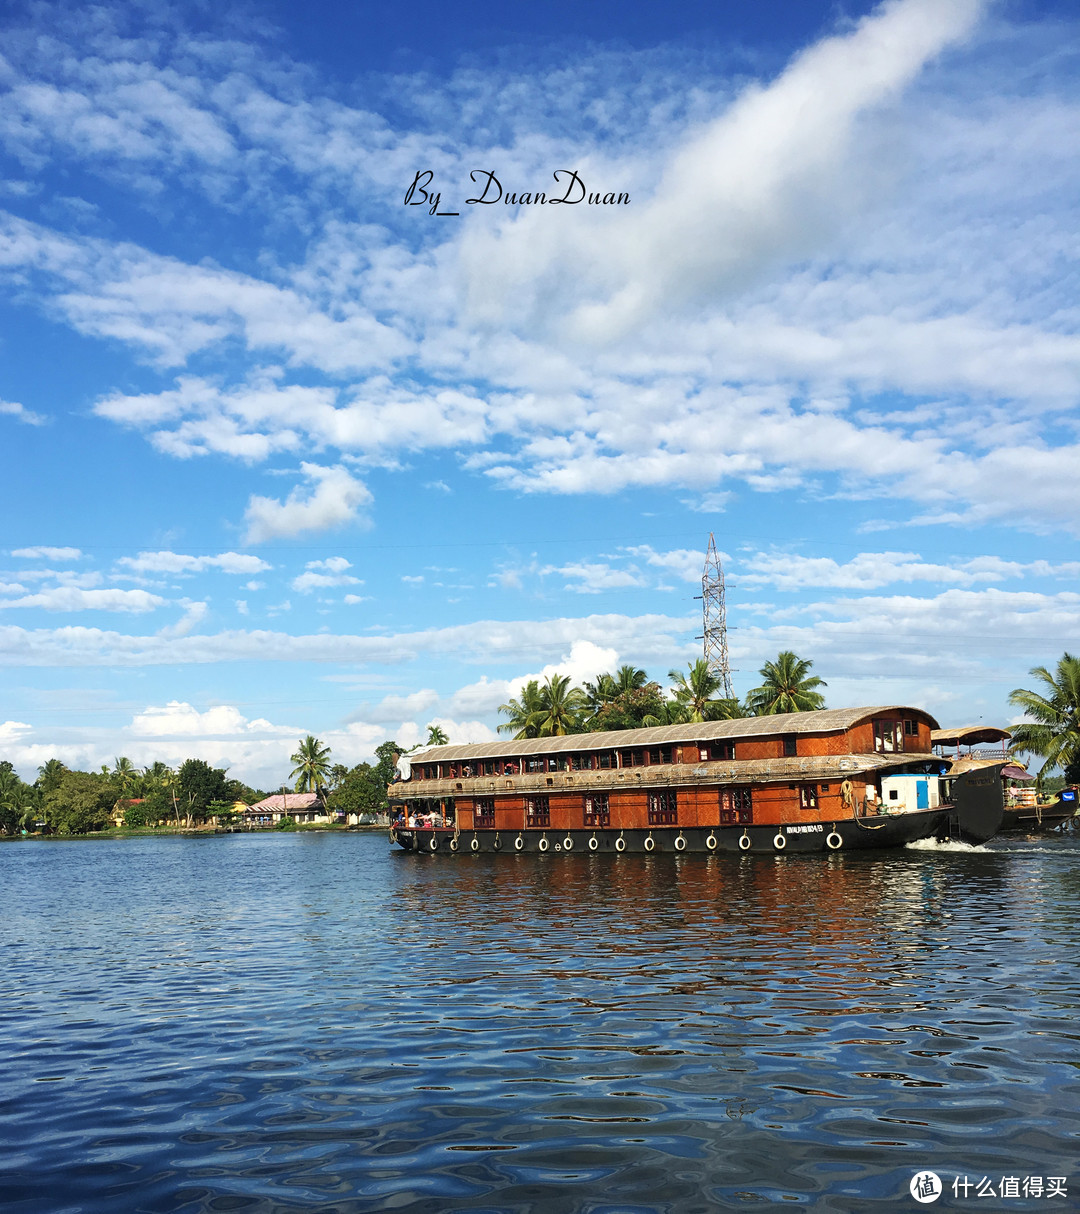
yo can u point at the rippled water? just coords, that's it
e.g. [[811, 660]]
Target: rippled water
[[318, 1022]]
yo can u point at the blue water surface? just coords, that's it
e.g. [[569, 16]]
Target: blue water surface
[[317, 1022]]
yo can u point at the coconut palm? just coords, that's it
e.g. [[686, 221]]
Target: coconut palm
[[524, 713], [1053, 729], [124, 776], [436, 736], [695, 691], [50, 774], [561, 707], [312, 770], [788, 687]]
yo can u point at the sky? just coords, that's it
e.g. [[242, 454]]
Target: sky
[[291, 445]]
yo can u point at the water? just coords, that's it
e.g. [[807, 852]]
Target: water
[[318, 1022]]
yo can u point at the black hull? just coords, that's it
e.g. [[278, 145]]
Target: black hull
[[1027, 821], [851, 835]]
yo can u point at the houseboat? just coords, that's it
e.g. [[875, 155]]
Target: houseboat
[[1026, 813], [838, 779]]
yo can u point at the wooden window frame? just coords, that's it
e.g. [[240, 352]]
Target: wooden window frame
[[484, 811], [597, 809], [538, 811], [808, 797], [736, 805], [663, 807]]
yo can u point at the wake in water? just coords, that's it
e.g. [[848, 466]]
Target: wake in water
[[945, 845]]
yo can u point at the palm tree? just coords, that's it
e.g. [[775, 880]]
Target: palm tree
[[561, 707], [436, 736], [124, 775], [523, 713], [1053, 730], [671, 713], [312, 770], [787, 687], [696, 692], [629, 678], [50, 774]]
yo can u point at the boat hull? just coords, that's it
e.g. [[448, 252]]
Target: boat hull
[[884, 831]]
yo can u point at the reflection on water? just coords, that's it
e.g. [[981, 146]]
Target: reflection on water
[[322, 1023]]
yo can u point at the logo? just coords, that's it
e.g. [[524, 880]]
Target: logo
[[925, 1186]]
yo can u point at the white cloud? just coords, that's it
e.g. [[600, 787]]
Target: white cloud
[[335, 498], [594, 577], [73, 598], [21, 413], [13, 731], [179, 719], [175, 562], [47, 554], [320, 574]]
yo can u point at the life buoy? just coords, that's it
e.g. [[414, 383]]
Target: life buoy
[[779, 842], [650, 843], [519, 843], [710, 842], [594, 843], [475, 844], [453, 844], [620, 844], [568, 844], [543, 844], [745, 842], [433, 843], [833, 841], [680, 843]]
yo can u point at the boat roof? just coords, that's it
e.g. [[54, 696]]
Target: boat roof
[[968, 735], [825, 720]]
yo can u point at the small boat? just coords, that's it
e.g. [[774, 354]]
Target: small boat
[[1024, 812], [832, 780]]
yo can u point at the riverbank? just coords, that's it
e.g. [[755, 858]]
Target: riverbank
[[157, 832]]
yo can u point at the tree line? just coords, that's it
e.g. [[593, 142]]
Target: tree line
[[628, 699]]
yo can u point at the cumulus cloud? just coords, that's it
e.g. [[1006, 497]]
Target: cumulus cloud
[[333, 498], [177, 718], [74, 598], [322, 574], [175, 562]]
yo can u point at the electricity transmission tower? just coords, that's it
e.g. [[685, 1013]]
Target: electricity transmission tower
[[714, 614]]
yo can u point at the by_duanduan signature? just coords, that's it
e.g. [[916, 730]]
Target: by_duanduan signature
[[569, 189]]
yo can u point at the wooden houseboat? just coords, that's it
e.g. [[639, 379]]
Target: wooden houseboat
[[803, 782], [1026, 813]]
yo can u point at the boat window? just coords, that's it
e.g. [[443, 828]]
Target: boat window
[[911, 729], [633, 758], [807, 796], [606, 759], [489, 767], [888, 735], [660, 754], [597, 809], [484, 811], [721, 750], [790, 745], [537, 811], [533, 763], [581, 762], [736, 806], [663, 808]]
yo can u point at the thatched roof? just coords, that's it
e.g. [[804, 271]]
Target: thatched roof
[[798, 769], [826, 720], [968, 735]]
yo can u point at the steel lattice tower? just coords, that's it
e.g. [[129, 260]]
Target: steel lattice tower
[[714, 614]]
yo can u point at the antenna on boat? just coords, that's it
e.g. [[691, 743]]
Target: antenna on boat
[[714, 614]]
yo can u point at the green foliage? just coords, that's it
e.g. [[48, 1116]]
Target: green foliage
[[49, 776], [19, 802], [135, 814], [224, 813], [286, 823], [80, 803], [633, 708], [524, 713], [312, 765], [436, 736], [1053, 729], [787, 687], [695, 691], [197, 785], [561, 707], [361, 792], [386, 754]]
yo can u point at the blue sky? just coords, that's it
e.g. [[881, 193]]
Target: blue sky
[[286, 455]]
